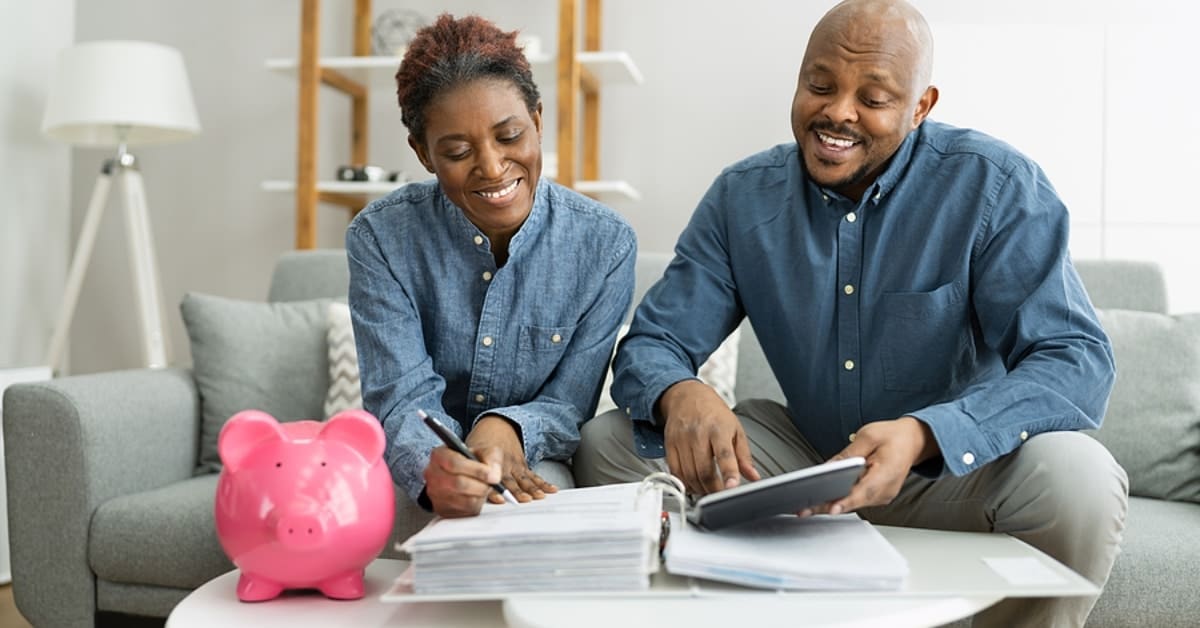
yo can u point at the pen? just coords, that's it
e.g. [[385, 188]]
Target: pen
[[454, 442]]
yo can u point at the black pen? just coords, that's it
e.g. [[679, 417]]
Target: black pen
[[454, 442]]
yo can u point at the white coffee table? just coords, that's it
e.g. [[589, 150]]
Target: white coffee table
[[215, 604], [950, 579]]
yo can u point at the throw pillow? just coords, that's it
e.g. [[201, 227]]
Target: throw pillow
[[718, 371], [1152, 426], [254, 355], [345, 391]]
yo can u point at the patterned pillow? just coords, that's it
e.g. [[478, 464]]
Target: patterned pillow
[[345, 391], [718, 371]]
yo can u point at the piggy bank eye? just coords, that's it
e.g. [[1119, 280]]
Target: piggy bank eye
[[322, 463], [278, 464]]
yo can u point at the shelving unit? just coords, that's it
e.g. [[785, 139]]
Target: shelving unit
[[579, 77]]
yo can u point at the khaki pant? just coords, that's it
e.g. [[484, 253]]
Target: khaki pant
[[1060, 492]]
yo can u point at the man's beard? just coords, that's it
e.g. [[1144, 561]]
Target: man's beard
[[853, 178]]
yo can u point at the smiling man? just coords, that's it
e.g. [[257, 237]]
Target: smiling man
[[911, 287]]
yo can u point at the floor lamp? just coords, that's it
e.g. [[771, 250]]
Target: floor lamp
[[119, 94]]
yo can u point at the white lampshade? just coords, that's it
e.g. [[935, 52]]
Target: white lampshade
[[107, 92]]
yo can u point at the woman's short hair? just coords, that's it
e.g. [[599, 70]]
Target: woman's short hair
[[452, 52]]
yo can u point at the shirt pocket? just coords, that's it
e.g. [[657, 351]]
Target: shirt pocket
[[924, 335], [539, 351]]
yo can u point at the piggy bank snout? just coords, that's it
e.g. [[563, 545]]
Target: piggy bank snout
[[301, 530]]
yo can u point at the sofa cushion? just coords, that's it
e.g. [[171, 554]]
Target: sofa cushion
[[1153, 581], [345, 390], [1152, 426], [164, 537], [254, 355], [720, 371]]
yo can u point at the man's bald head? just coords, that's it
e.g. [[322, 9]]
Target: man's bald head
[[882, 25]]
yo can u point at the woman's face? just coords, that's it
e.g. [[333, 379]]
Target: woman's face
[[485, 147]]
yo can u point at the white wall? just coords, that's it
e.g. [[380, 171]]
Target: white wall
[[1095, 90], [35, 179]]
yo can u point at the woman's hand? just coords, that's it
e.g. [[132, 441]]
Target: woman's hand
[[457, 485], [495, 432]]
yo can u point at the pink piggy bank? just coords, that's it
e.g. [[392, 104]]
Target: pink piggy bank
[[303, 505]]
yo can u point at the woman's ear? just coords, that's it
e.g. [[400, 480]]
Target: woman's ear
[[537, 120], [422, 153]]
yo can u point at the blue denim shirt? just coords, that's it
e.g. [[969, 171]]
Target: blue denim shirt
[[440, 328], [946, 293]]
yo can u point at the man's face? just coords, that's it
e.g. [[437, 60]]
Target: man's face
[[855, 104]]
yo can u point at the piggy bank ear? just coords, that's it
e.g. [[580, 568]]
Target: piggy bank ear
[[243, 433], [359, 429]]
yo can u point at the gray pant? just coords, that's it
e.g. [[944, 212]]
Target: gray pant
[[1060, 492]]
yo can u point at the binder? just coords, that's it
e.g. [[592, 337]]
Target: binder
[[614, 538]]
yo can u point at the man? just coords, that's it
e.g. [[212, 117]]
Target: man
[[912, 290]]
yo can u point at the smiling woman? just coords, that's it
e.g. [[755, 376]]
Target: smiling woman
[[488, 298]]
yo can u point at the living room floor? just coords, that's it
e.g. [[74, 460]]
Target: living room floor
[[9, 616]]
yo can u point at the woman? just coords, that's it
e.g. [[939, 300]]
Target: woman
[[488, 297]]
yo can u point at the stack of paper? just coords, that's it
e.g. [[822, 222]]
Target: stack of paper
[[593, 539], [827, 552]]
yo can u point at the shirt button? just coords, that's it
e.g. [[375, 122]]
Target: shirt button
[[849, 365], [1024, 435], [878, 195], [478, 239], [556, 338], [825, 197], [479, 398], [848, 289], [852, 434], [487, 341], [968, 458], [487, 275], [851, 217], [629, 411]]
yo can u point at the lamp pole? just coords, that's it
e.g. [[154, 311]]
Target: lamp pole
[[143, 264]]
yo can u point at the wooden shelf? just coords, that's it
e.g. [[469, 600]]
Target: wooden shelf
[[580, 70]]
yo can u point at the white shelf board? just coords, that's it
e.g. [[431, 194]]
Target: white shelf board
[[372, 69], [607, 66], [611, 66], [600, 188], [374, 188]]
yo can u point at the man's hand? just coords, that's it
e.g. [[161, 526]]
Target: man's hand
[[701, 430], [892, 449], [457, 485], [493, 431]]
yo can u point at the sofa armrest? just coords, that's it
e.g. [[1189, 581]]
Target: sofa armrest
[[71, 444]]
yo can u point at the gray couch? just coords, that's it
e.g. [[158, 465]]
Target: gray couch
[[105, 513]]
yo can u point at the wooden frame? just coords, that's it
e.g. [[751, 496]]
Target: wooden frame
[[311, 75]]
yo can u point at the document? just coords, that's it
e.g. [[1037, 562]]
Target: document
[[608, 538]]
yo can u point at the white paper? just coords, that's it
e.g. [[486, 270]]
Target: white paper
[[1024, 571]]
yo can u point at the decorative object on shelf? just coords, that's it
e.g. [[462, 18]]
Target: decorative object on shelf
[[303, 504], [393, 29], [119, 94], [369, 173]]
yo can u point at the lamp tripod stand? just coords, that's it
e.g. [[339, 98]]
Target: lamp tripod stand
[[147, 290]]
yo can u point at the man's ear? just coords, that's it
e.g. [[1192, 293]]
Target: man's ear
[[925, 105], [422, 153]]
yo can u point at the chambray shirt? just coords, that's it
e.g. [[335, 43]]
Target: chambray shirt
[[439, 327], [946, 293]]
